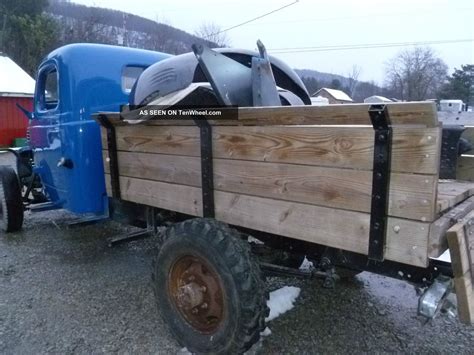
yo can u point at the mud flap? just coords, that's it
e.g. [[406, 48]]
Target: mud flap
[[461, 247]]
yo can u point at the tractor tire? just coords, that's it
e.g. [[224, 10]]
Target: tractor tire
[[11, 204], [209, 288]]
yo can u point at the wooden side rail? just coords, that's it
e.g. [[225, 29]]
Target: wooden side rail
[[311, 182]]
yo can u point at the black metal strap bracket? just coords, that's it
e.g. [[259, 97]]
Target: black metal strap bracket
[[207, 171], [450, 142], [380, 181], [113, 158]]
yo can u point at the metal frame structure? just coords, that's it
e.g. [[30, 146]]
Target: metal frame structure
[[113, 158], [380, 181]]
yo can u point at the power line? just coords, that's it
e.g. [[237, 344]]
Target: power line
[[373, 15], [363, 46], [251, 20]]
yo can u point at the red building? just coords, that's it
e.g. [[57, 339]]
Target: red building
[[16, 87]]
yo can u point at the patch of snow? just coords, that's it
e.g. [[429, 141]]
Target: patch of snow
[[14, 79], [376, 99], [266, 332], [282, 301], [306, 265], [445, 257], [337, 94], [254, 240]]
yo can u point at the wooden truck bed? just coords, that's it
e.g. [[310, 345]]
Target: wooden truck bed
[[300, 172]]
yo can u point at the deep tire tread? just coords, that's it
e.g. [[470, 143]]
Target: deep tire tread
[[245, 271], [10, 200]]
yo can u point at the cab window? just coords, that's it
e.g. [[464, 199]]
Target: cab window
[[48, 89], [130, 75]]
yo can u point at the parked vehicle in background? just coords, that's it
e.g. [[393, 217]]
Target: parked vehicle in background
[[452, 106]]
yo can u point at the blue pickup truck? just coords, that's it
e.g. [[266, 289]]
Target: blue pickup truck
[[64, 141], [207, 276]]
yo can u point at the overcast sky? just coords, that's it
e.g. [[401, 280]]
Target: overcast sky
[[315, 23]]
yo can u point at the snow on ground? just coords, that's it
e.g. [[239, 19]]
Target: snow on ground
[[281, 301], [445, 256], [266, 332], [306, 265]]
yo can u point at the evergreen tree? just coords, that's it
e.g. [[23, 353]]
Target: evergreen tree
[[460, 85], [26, 33]]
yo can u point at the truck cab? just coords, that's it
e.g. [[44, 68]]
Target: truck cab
[[74, 82]]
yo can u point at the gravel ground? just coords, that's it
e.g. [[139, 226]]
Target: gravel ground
[[65, 291]]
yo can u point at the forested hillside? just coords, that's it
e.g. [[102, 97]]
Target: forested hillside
[[29, 29]]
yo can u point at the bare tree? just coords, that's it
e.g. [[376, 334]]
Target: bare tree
[[353, 77], [211, 32], [89, 28], [416, 74], [161, 38]]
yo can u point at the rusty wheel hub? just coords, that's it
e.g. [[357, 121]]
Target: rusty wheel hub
[[196, 291]]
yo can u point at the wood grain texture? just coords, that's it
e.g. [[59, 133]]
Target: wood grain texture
[[451, 193], [342, 229], [422, 113], [458, 248], [412, 113], [465, 295], [465, 168], [411, 196], [469, 135], [438, 242], [414, 150]]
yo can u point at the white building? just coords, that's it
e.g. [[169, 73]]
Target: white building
[[376, 99], [319, 101], [334, 96], [14, 81]]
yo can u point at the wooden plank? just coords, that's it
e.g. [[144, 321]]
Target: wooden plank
[[464, 295], [457, 189], [462, 269], [459, 254], [469, 135], [414, 150], [451, 193], [411, 196], [465, 163], [406, 240], [438, 243], [422, 113], [465, 168], [412, 113], [462, 118]]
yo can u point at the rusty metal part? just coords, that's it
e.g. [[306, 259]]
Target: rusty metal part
[[196, 290]]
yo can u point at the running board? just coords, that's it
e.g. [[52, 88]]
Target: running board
[[45, 206]]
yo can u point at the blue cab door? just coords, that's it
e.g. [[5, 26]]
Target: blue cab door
[[45, 133]]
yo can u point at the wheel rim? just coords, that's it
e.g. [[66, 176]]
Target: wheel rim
[[197, 293]]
